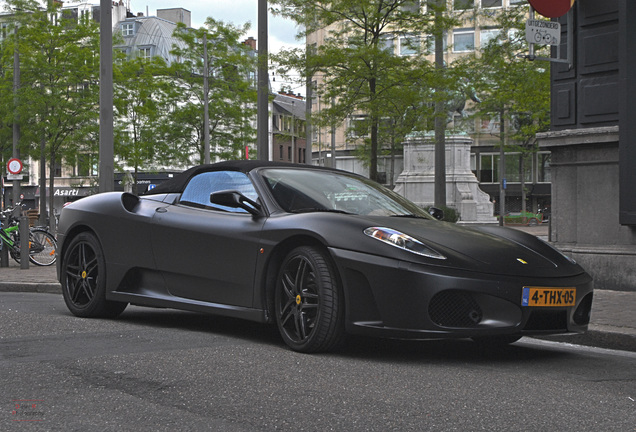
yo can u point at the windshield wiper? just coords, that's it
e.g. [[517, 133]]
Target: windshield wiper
[[410, 215], [316, 209]]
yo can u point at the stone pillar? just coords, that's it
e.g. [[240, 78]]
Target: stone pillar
[[417, 181], [585, 193]]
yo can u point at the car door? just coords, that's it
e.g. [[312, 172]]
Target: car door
[[209, 252]]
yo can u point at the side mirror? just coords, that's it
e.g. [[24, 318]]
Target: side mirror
[[235, 199], [436, 213]]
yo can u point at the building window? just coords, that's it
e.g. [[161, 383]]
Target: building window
[[486, 35], [86, 165], [358, 126], [128, 29], [280, 152], [3, 30], [463, 4], [464, 40], [513, 168], [145, 53], [544, 174], [490, 125], [412, 6], [491, 3], [289, 153], [489, 168], [409, 44], [387, 43]]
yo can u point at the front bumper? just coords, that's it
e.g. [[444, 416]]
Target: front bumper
[[398, 299]]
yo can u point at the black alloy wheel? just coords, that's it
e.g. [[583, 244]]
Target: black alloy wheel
[[309, 308], [84, 279]]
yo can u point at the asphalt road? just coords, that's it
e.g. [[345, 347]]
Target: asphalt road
[[164, 370]]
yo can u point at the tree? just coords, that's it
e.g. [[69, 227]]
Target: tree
[[144, 96], [513, 88], [59, 62], [231, 94], [359, 71]]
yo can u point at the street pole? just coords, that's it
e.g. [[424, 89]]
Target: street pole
[[106, 135], [440, 116], [502, 169], [333, 138], [262, 126], [16, 121], [206, 114]]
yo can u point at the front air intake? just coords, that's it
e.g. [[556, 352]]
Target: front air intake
[[457, 309]]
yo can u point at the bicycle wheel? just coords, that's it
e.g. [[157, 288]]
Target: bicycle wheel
[[15, 250], [42, 246]]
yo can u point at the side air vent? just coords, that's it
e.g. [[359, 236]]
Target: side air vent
[[129, 201]]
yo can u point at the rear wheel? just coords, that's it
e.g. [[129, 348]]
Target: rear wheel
[[309, 306], [42, 246], [83, 279]]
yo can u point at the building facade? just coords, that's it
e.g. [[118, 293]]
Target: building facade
[[593, 143], [289, 143]]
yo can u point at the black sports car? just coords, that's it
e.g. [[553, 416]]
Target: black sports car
[[319, 252]]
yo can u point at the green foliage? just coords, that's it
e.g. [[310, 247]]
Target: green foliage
[[59, 69], [232, 90], [143, 98], [450, 214], [357, 70], [510, 85]]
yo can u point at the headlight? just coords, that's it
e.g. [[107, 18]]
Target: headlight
[[402, 241]]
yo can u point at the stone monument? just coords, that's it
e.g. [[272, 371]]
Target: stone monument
[[417, 181]]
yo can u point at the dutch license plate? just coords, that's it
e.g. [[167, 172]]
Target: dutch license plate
[[543, 296]]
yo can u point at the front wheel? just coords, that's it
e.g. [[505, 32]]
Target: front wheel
[[83, 277], [309, 307], [42, 247]]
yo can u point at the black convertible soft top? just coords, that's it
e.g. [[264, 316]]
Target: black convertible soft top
[[179, 181]]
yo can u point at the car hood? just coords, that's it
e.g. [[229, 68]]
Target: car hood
[[486, 249]]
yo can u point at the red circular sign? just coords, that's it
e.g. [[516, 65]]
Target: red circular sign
[[14, 166], [552, 8]]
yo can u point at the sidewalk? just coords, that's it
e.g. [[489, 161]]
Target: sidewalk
[[613, 323]]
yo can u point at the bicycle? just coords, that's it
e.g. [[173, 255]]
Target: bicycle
[[42, 244]]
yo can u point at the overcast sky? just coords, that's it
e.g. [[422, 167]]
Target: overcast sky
[[281, 32]]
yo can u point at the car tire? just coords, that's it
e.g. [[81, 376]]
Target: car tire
[[496, 341], [83, 278], [533, 222], [308, 303]]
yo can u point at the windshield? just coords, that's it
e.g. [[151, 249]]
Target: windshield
[[304, 190]]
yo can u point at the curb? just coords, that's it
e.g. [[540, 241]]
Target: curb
[[40, 287]]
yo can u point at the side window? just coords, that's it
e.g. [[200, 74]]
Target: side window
[[197, 192]]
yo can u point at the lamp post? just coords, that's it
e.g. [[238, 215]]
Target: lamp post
[[262, 102], [106, 135]]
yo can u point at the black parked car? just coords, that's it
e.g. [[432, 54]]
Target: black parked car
[[320, 253]]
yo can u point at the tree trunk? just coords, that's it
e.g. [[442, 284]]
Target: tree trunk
[[373, 161]]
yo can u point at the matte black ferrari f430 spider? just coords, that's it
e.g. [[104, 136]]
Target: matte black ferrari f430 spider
[[319, 252]]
